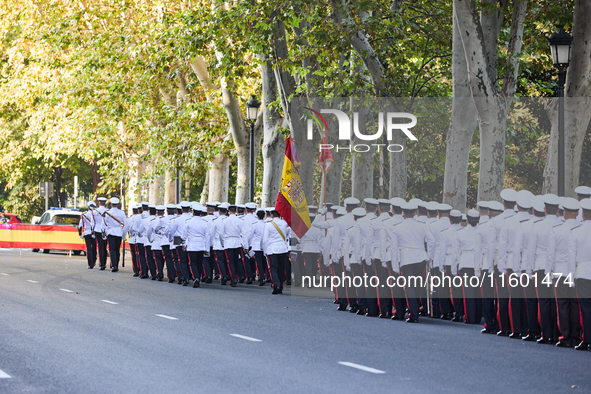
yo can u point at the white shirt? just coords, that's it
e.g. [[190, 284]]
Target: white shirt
[[580, 251], [558, 252], [139, 229], [273, 242], [511, 242], [248, 221], [411, 236], [496, 224], [436, 228], [155, 233], [312, 240], [231, 232], [539, 241], [197, 235], [255, 236], [483, 234], [218, 224], [128, 229], [444, 251], [112, 227], [466, 246], [88, 222], [98, 219]]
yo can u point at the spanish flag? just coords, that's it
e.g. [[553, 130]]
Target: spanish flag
[[291, 200]]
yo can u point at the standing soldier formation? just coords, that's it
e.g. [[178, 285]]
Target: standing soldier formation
[[521, 266]]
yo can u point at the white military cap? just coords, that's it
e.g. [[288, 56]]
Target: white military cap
[[216, 203], [359, 212], [371, 201], [584, 190], [185, 204], [409, 206], [538, 203], [495, 206], [211, 204], [444, 207], [102, 199], [226, 205], [509, 195], [137, 206], [250, 205], [432, 205], [524, 199], [422, 204], [341, 211], [586, 204], [260, 210], [196, 206], [145, 203], [312, 215], [240, 206], [384, 201], [203, 209], [571, 204], [312, 207], [114, 200], [473, 213], [482, 204], [178, 206], [351, 201], [397, 201], [151, 206], [455, 213], [91, 204], [160, 207], [170, 206], [551, 199], [415, 201], [335, 207], [464, 217]]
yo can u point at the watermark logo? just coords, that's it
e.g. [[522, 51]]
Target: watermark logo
[[387, 122]]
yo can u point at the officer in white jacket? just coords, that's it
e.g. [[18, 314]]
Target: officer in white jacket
[[114, 220], [276, 235], [249, 219], [99, 230], [87, 222], [219, 243], [196, 234], [254, 247], [446, 259], [129, 230], [156, 234]]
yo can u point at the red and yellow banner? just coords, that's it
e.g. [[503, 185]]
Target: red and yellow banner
[[17, 235], [291, 200]]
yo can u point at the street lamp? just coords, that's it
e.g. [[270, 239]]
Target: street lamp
[[252, 110], [560, 44]]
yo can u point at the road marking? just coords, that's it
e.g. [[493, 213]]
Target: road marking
[[2, 273], [4, 375], [167, 317], [245, 337], [67, 291], [32, 281], [361, 367], [110, 302]]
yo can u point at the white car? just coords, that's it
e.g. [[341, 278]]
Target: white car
[[58, 217]]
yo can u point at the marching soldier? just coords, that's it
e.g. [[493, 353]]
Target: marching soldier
[[311, 242], [254, 246], [248, 221], [445, 256], [156, 235], [275, 246], [231, 234], [167, 246], [218, 243], [99, 228], [580, 263], [176, 237], [583, 192], [367, 303], [381, 262], [128, 230], [486, 235], [436, 228], [148, 242], [567, 304], [87, 221], [114, 220], [197, 238]]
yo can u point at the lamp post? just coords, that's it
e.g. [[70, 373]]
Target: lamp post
[[560, 44], [252, 110]]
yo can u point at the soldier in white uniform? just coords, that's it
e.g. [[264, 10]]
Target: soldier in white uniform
[[209, 256], [567, 304], [254, 246], [352, 250], [583, 192], [276, 235], [87, 221], [196, 233], [311, 242], [446, 258], [156, 235], [114, 221], [436, 228], [580, 263], [176, 237], [537, 257], [231, 234], [364, 243], [249, 261], [489, 299], [128, 230], [148, 242], [381, 297], [166, 244], [140, 230], [99, 229], [411, 237], [218, 242]]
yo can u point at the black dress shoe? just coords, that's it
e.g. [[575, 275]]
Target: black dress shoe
[[372, 314], [487, 331], [354, 309], [563, 344], [196, 284], [224, 281], [208, 280], [503, 333], [261, 283], [342, 308], [233, 284], [136, 274], [335, 302], [530, 338], [90, 267], [171, 280], [241, 280], [515, 335], [160, 279], [458, 319], [435, 317], [545, 341], [447, 316], [360, 312], [102, 268], [115, 269], [154, 278], [385, 315], [276, 291], [409, 320], [185, 283], [180, 281], [249, 282], [144, 277], [216, 277], [582, 346], [288, 283], [423, 313]]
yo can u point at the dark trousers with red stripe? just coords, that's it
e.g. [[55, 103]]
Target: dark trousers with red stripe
[[277, 269], [159, 259], [531, 303], [436, 306], [196, 261], [489, 303], [370, 303], [141, 257], [150, 260], [114, 245], [222, 265], [503, 295], [134, 261], [170, 269], [445, 293], [567, 306], [90, 249], [584, 293], [233, 262], [470, 295], [413, 287], [311, 263], [184, 263], [261, 262], [208, 264], [547, 305], [518, 307]]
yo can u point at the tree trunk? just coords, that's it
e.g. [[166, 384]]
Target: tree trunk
[[96, 177], [155, 191], [362, 163], [273, 141], [577, 107], [169, 188], [461, 129], [219, 178], [398, 167]]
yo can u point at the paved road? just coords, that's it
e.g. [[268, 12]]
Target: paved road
[[67, 329]]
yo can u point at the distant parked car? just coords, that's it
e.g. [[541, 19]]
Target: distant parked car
[[9, 218], [59, 217]]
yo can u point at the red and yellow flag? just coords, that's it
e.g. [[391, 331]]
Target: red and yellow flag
[[291, 200]]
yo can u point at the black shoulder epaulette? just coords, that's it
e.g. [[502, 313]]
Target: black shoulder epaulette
[[524, 220], [575, 227]]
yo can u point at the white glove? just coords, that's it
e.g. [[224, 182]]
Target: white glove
[[384, 264], [477, 272], [454, 270], [82, 237], [348, 268]]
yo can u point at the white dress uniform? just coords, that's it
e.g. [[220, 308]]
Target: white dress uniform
[[87, 221], [197, 236], [231, 234], [276, 234], [254, 243], [580, 263], [113, 220], [466, 246]]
